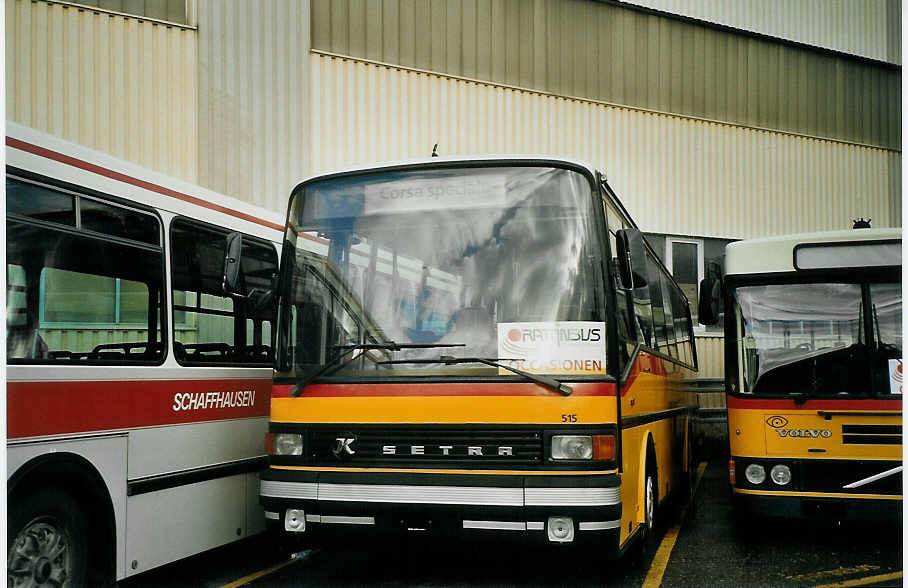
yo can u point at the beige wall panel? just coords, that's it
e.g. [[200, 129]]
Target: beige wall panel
[[254, 98], [675, 175], [867, 28], [711, 357], [120, 85], [85, 339], [624, 55]]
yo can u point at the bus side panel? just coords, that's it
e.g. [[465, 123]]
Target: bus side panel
[[171, 524], [174, 448], [633, 454], [255, 512], [108, 456]]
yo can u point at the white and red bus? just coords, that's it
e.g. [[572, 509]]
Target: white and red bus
[[137, 389]]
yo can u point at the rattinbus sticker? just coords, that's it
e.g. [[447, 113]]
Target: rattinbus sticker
[[895, 376], [569, 347]]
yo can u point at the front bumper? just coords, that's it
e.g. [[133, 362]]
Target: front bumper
[[446, 504], [819, 507]]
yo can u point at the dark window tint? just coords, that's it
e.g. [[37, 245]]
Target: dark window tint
[[684, 270], [70, 288], [210, 326], [39, 203], [119, 222], [655, 294]]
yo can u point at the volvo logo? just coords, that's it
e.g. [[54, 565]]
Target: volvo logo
[[343, 446], [776, 421]]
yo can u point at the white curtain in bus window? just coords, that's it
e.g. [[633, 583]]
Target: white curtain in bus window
[[79, 295], [886, 308], [802, 338]]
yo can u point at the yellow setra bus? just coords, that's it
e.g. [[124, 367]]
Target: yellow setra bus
[[475, 347], [813, 360]]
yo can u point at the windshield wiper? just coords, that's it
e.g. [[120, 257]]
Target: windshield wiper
[[495, 362], [334, 364]]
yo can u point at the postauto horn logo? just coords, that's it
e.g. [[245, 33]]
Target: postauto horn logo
[[776, 421]]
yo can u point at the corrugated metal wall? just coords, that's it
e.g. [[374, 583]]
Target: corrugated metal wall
[[868, 28], [113, 83], [254, 107], [615, 54], [711, 357], [83, 340], [675, 175], [170, 10]]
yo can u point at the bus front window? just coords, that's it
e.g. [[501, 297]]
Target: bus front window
[[802, 339], [503, 260]]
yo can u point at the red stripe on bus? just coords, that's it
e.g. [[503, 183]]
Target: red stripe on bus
[[448, 389], [851, 404], [43, 152], [52, 408]]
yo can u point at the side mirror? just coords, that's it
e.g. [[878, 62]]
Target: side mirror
[[232, 258], [631, 258], [710, 295]]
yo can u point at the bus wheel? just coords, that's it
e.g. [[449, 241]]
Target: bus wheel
[[46, 540], [650, 510]]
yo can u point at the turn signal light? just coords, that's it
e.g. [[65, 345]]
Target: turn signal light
[[604, 447]]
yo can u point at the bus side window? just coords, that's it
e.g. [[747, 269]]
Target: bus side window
[[655, 296], [209, 326], [77, 295]]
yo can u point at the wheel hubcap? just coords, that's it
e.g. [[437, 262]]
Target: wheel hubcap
[[39, 556], [649, 502]]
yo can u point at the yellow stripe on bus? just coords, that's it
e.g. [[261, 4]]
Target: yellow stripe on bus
[[796, 494], [537, 410]]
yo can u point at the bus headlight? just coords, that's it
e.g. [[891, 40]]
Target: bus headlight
[[755, 474], [780, 474], [288, 444], [572, 447]]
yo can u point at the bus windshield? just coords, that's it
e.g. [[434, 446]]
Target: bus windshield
[[810, 339], [501, 260]]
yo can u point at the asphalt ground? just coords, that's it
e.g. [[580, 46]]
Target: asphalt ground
[[700, 546]]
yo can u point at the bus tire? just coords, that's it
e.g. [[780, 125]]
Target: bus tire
[[650, 509], [47, 540]]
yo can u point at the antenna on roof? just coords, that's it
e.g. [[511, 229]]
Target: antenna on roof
[[861, 223], [435, 150]]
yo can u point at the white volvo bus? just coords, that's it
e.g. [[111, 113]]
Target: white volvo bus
[[138, 391]]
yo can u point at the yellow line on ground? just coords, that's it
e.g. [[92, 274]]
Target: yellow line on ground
[[660, 560], [836, 573], [259, 574], [865, 580]]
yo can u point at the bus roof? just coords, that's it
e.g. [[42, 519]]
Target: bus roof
[[777, 254], [34, 151], [522, 159]]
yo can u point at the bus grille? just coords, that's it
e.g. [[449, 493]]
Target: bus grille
[[421, 446], [872, 434]]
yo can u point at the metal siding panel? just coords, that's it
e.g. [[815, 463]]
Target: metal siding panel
[[356, 27], [253, 78], [868, 28], [503, 38], [76, 74], [711, 357], [739, 182]]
